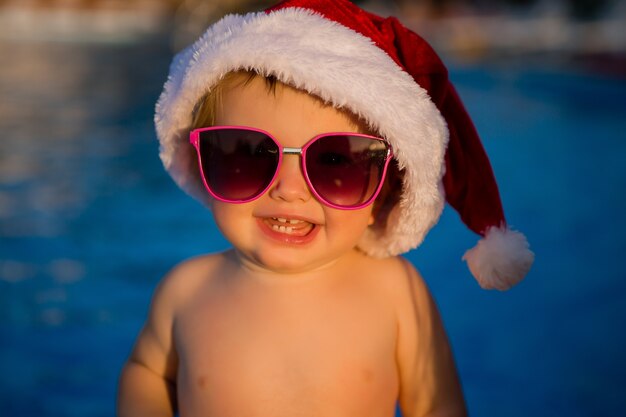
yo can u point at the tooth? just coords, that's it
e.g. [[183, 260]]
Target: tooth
[[282, 220], [275, 227], [293, 221], [282, 229]]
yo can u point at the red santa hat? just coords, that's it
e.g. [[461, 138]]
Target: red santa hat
[[390, 78]]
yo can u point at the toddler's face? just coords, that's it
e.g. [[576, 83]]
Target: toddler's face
[[287, 229]]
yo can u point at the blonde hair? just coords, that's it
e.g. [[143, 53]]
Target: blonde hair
[[205, 111]]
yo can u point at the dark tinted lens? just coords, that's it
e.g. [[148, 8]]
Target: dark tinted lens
[[237, 164], [346, 170]]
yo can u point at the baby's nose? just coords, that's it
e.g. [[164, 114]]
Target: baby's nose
[[290, 185]]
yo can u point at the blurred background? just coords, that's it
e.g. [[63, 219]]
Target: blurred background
[[89, 220]]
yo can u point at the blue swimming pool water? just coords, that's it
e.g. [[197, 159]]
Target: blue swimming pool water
[[89, 222]]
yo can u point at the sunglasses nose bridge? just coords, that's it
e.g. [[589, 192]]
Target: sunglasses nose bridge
[[292, 151]]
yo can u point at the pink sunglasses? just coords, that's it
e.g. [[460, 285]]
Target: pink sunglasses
[[343, 170]]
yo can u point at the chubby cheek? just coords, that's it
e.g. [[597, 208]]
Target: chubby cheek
[[229, 219], [348, 225]]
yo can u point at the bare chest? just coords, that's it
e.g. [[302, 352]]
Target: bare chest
[[277, 354]]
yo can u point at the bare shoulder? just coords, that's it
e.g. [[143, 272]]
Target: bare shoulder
[[186, 277], [408, 296], [193, 270], [397, 278]]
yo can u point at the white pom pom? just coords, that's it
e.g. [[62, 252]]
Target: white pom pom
[[501, 259]]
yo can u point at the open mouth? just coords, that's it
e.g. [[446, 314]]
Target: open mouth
[[292, 227]]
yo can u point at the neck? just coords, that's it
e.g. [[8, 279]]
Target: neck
[[252, 268]]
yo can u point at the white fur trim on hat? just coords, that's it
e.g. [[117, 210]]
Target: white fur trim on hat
[[340, 66]]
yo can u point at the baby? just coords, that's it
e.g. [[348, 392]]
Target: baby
[[317, 134]]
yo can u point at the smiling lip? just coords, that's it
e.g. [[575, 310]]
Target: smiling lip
[[288, 229]]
